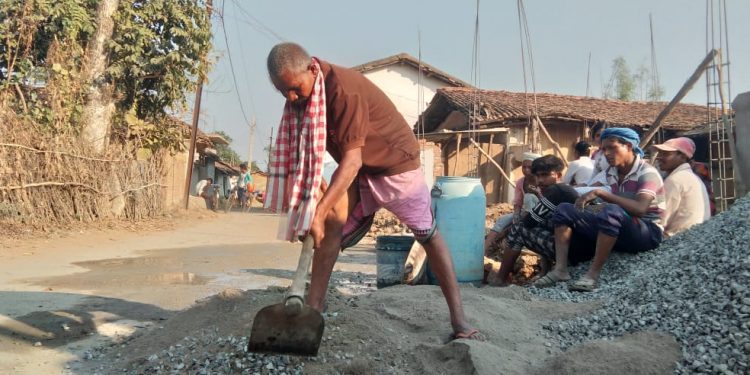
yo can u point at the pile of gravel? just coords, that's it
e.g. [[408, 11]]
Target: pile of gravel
[[696, 286], [207, 353]]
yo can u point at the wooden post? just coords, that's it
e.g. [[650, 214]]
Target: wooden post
[[489, 152], [555, 145], [458, 154], [534, 136], [502, 171], [194, 128], [686, 87]]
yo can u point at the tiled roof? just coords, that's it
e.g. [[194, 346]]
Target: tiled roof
[[226, 168], [504, 106]]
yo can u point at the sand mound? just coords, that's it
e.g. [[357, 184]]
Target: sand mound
[[641, 353], [393, 330]]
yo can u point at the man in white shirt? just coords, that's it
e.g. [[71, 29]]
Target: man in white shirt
[[579, 172], [687, 199]]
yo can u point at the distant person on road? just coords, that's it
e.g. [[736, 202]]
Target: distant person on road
[[687, 201], [629, 220], [581, 170], [209, 192], [244, 185], [336, 109]]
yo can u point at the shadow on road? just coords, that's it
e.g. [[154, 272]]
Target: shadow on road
[[57, 327]]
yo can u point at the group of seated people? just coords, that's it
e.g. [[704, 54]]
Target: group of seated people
[[614, 200]]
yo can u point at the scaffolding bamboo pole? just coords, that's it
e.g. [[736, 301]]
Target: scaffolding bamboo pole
[[686, 87], [502, 171], [555, 145]]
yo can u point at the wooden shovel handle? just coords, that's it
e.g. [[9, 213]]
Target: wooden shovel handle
[[296, 297]]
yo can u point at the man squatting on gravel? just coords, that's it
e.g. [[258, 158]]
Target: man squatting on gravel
[[378, 157], [629, 220], [687, 204]]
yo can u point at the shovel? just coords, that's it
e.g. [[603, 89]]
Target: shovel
[[290, 327]]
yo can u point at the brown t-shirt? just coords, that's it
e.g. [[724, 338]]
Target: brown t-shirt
[[359, 114]]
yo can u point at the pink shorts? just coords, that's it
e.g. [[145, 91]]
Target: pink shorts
[[406, 195]]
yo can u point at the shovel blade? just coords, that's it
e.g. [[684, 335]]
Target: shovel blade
[[276, 332]]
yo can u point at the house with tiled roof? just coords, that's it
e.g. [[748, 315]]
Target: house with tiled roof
[[408, 82], [501, 123]]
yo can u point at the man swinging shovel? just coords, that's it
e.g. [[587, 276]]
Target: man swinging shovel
[[335, 109]]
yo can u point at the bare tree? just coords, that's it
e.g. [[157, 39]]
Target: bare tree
[[99, 106]]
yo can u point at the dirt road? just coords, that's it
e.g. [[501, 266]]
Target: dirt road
[[60, 297]]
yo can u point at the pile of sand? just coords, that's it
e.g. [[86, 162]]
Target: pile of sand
[[394, 330]]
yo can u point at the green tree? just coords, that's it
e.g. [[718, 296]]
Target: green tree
[[157, 53], [226, 152], [624, 82], [655, 93], [154, 59], [625, 85]]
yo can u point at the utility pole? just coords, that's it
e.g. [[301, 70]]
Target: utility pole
[[196, 115], [588, 75], [270, 147], [250, 145]]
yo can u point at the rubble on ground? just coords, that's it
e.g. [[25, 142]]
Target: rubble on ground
[[495, 211], [696, 286], [527, 266], [385, 224]]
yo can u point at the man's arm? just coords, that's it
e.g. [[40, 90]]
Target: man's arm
[[351, 162], [635, 207]]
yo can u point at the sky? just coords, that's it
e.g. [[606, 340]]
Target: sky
[[563, 33]]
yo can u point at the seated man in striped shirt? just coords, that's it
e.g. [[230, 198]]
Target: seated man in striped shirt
[[629, 220]]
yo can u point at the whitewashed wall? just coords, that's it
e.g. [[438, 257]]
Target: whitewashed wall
[[400, 84]]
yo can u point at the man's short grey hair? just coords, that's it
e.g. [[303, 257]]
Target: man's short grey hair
[[287, 56]]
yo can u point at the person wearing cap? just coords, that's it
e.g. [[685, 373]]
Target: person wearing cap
[[687, 202], [525, 197], [628, 221]]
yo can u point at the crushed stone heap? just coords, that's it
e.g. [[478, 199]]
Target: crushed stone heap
[[696, 286]]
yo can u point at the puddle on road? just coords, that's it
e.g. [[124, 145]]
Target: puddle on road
[[195, 266], [143, 270]]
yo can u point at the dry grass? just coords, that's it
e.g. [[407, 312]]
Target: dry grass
[[57, 180]]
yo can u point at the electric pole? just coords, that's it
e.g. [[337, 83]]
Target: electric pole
[[250, 145], [270, 147], [196, 114]]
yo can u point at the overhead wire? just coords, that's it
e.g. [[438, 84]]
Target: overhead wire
[[257, 24], [231, 64], [526, 51], [252, 125], [476, 110], [244, 58]]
